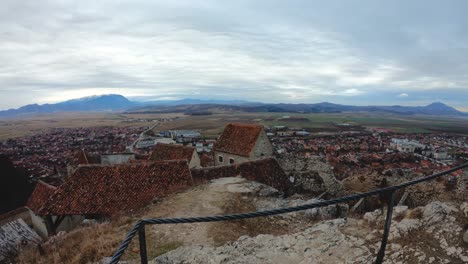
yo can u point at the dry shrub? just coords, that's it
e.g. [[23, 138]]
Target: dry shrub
[[83, 245], [416, 213]]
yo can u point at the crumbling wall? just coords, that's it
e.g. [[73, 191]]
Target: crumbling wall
[[310, 174], [204, 175], [266, 171]]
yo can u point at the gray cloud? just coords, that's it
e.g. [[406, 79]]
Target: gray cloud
[[359, 52]]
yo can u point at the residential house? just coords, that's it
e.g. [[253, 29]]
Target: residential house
[[184, 136], [440, 154], [81, 157], [146, 143], [242, 142], [41, 193], [176, 152]]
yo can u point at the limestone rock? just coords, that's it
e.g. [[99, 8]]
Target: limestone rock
[[464, 209], [268, 191], [435, 212], [373, 217], [323, 243], [465, 236], [402, 228]]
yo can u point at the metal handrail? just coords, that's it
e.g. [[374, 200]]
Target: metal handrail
[[139, 226]]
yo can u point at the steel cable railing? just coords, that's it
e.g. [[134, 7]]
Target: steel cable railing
[[140, 225]]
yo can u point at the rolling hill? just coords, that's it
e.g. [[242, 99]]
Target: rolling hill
[[115, 102]]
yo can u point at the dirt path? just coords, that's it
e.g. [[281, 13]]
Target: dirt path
[[201, 201]]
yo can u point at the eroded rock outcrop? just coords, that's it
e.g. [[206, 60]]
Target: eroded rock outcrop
[[430, 234]]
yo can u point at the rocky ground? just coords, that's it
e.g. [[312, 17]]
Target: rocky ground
[[429, 234]]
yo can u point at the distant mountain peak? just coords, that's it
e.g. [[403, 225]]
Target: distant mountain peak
[[94, 97], [94, 103], [437, 104], [442, 109]]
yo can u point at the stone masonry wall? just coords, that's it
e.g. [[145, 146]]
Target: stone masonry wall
[[263, 147], [227, 156], [266, 171]]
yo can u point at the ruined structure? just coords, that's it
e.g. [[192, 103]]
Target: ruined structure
[[310, 174], [266, 171]]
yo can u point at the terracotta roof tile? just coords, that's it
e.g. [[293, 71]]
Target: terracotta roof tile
[[40, 195], [171, 152], [206, 160], [238, 139], [81, 157], [106, 190]]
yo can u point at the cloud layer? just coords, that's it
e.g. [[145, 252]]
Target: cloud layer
[[356, 52]]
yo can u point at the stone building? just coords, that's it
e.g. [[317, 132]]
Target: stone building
[[240, 143]]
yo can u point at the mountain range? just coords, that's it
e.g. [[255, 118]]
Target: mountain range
[[115, 102]]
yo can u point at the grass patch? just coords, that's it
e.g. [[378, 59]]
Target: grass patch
[[163, 249], [226, 231]]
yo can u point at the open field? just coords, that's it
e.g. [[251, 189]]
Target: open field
[[212, 125], [19, 127]]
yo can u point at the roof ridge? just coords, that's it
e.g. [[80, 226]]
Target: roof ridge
[[173, 145], [146, 162], [46, 184], [246, 125]]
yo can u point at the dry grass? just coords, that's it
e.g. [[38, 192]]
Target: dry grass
[[227, 231], [92, 243], [83, 245], [18, 127], [416, 213]]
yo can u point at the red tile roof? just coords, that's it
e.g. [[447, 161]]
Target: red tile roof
[[171, 152], [40, 195], [106, 190], [81, 157], [206, 160], [238, 139]]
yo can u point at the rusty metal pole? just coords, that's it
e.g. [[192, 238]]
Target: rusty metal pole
[[142, 239], [388, 221]]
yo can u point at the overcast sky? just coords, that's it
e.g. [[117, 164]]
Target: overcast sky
[[364, 52]]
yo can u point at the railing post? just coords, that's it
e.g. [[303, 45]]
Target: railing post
[[388, 221], [142, 239]]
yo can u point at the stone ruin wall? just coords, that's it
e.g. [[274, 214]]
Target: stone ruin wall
[[311, 175], [266, 171]]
